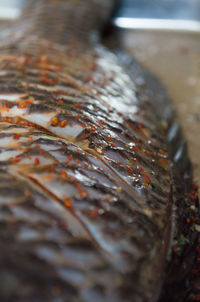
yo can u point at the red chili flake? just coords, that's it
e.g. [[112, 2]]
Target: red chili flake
[[140, 169], [69, 158], [15, 160], [119, 162], [85, 136], [135, 149], [85, 165], [19, 155], [71, 126], [22, 106], [16, 137], [78, 161], [194, 219], [102, 122], [147, 177], [54, 121], [77, 105], [60, 101], [67, 203], [37, 161], [63, 124], [92, 129], [141, 124], [130, 169], [94, 213], [46, 80], [134, 159]]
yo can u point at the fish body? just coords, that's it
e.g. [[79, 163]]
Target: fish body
[[87, 196]]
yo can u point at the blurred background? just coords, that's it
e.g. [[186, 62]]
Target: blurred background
[[164, 35]]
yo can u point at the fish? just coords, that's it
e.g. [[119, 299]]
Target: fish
[[90, 161]]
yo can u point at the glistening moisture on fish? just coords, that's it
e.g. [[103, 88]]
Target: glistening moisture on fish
[[89, 174]]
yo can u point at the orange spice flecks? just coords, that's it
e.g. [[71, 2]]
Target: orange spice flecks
[[54, 121], [102, 122], [81, 192], [94, 213], [16, 137], [67, 203], [130, 169], [99, 151], [133, 159], [69, 158], [46, 80], [135, 149], [44, 59], [119, 190], [47, 177], [77, 105], [85, 135], [63, 124], [147, 177], [188, 220], [37, 161]]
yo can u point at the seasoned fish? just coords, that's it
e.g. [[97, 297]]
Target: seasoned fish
[[87, 195]]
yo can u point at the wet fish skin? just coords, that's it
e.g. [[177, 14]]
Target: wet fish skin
[[86, 183]]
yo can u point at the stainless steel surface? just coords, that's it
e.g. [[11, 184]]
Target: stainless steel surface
[[180, 15], [10, 9]]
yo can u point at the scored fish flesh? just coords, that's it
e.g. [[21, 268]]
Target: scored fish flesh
[[87, 191]]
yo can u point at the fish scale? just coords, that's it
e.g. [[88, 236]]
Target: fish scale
[[87, 197]]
